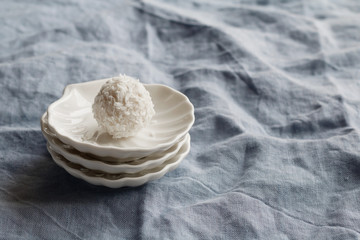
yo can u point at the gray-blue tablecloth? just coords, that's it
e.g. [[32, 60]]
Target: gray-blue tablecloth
[[275, 151]]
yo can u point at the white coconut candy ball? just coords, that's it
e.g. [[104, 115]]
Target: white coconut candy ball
[[123, 106]]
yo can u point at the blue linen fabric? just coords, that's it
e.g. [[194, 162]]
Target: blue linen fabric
[[275, 151]]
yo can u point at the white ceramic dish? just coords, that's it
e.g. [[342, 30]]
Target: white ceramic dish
[[122, 179], [71, 119], [114, 167]]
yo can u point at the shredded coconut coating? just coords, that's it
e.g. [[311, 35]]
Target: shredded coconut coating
[[123, 106]]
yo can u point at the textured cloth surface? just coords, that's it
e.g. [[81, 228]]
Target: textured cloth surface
[[275, 151]]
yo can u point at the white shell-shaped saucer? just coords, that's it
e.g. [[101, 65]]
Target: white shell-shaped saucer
[[121, 179], [114, 167], [71, 119]]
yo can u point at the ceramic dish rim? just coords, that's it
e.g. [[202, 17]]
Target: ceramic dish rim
[[121, 182], [97, 164]]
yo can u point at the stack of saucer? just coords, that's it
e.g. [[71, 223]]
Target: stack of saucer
[[78, 145]]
